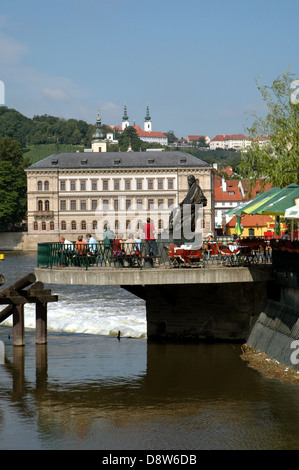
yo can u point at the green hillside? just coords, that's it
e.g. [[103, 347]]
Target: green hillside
[[39, 152], [46, 135]]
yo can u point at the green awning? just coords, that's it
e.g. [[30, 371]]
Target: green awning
[[245, 207], [281, 201]]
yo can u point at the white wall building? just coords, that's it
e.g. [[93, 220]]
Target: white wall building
[[72, 194]]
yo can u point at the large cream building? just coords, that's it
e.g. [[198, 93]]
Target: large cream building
[[72, 194]]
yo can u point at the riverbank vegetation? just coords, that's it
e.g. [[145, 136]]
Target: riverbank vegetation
[[13, 184]]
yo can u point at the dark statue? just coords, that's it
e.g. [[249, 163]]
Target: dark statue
[[178, 219]]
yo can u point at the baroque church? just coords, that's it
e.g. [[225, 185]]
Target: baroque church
[[146, 134]]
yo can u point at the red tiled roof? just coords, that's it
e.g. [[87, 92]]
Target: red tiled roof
[[228, 170], [143, 133], [223, 137], [219, 137], [256, 190], [251, 220], [220, 195], [195, 137]]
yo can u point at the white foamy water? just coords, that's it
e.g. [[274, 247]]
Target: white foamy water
[[100, 310], [87, 313]]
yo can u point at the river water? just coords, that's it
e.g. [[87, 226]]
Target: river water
[[87, 390]]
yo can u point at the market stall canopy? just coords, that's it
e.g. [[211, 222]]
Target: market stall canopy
[[245, 207], [279, 202]]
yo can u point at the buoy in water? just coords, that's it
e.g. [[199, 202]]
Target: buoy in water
[[1, 256]]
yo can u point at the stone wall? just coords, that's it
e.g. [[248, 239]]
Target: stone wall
[[277, 329], [204, 312], [12, 241], [22, 241]]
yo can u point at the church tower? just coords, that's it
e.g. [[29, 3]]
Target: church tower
[[125, 122], [98, 143], [147, 121]]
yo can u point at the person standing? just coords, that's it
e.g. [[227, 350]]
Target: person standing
[[151, 248], [92, 243], [108, 239], [65, 250]]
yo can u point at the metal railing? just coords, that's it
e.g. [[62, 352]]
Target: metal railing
[[222, 252]]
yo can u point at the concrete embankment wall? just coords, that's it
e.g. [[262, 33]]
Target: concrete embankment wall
[[203, 311], [12, 241], [277, 328], [21, 241]]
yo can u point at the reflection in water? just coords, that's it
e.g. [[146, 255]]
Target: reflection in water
[[90, 392]]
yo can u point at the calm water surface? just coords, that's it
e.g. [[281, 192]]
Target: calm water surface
[[91, 391]]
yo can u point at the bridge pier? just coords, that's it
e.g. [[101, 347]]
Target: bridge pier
[[223, 312]]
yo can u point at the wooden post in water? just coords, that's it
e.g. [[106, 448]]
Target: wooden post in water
[[41, 323], [18, 325], [17, 297]]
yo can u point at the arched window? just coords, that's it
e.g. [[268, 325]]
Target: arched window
[[63, 225], [39, 186], [73, 225], [128, 224], [46, 185], [44, 226], [35, 226], [47, 205], [94, 225], [51, 225], [116, 225], [39, 205], [83, 225]]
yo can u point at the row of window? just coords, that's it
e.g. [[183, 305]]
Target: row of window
[[74, 225], [106, 184], [105, 205], [94, 205]]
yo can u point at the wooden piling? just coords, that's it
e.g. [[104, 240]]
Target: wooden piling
[[41, 323], [20, 284], [18, 325], [17, 297]]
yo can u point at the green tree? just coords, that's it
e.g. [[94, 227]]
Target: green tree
[[130, 138], [276, 161], [13, 187], [171, 137]]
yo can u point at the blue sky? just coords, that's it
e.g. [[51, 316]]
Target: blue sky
[[194, 63]]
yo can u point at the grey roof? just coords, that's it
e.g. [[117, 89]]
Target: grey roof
[[99, 160]]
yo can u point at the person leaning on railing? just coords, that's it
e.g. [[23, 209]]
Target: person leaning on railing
[[131, 250], [108, 239], [208, 245], [80, 250], [65, 251], [92, 248], [118, 249]]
